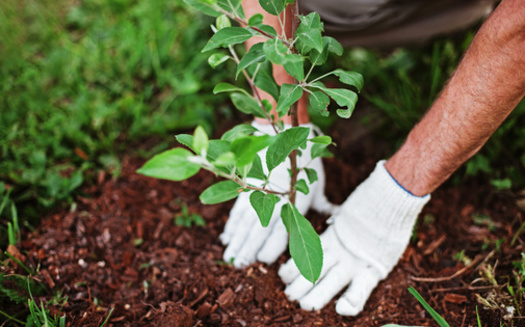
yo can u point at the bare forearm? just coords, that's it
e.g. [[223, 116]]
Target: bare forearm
[[485, 88]]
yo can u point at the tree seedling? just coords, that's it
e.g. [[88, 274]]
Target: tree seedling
[[235, 156]]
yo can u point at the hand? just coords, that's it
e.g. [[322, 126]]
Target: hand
[[247, 241], [367, 237]]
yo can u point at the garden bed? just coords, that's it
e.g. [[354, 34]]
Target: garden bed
[[120, 248]]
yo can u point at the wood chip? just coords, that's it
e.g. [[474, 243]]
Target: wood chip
[[12, 250], [455, 298], [48, 278], [204, 310], [226, 298], [434, 245]]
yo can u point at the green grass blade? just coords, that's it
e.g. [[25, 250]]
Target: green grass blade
[[440, 320], [11, 318], [477, 317], [16, 226], [4, 201], [44, 314], [107, 318], [29, 271], [11, 234]]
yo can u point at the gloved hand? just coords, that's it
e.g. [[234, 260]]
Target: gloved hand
[[366, 238], [247, 241]]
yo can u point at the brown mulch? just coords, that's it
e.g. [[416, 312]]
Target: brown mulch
[[120, 249]]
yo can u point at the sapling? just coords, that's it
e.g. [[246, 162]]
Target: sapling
[[236, 155]]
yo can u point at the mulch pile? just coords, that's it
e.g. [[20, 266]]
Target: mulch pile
[[120, 249]]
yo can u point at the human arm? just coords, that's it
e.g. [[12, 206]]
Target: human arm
[[486, 87]]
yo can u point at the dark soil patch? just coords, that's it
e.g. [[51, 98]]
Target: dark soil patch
[[121, 249]]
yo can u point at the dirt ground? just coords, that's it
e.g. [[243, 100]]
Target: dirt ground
[[121, 249]]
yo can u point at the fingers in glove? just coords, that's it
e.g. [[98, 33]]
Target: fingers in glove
[[289, 272], [300, 286], [337, 278], [322, 205], [239, 210], [353, 300], [275, 243], [240, 236], [257, 236]]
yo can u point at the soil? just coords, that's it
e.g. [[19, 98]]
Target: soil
[[120, 249]]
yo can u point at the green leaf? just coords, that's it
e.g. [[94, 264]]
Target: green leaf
[[200, 140], [206, 7], [320, 150], [256, 19], [501, 184], [268, 30], [253, 56], [441, 322], [311, 174], [318, 101], [222, 21], [216, 59], [186, 140], [265, 81], [264, 204], [225, 159], [275, 51], [308, 34], [294, 65], [304, 243], [171, 165], [290, 94], [238, 131], [228, 36], [227, 87], [220, 192], [247, 104], [302, 187], [343, 97], [216, 148], [329, 45], [273, 7], [257, 169], [267, 105], [232, 6], [350, 78], [333, 45], [246, 148], [321, 139], [283, 144]]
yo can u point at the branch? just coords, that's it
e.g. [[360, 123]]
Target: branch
[[293, 109]]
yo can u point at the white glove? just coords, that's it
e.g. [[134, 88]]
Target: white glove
[[247, 241], [368, 235]]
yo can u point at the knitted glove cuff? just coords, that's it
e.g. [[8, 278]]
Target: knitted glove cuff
[[375, 222]]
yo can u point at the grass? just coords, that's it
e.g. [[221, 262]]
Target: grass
[[80, 81]]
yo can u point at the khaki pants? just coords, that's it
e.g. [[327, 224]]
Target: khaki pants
[[388, 23]]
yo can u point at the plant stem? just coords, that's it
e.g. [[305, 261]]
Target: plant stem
[[293, 110], [239, 181]]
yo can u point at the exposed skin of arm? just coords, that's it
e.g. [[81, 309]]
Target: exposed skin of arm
[[486, 87], [250, 8]]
